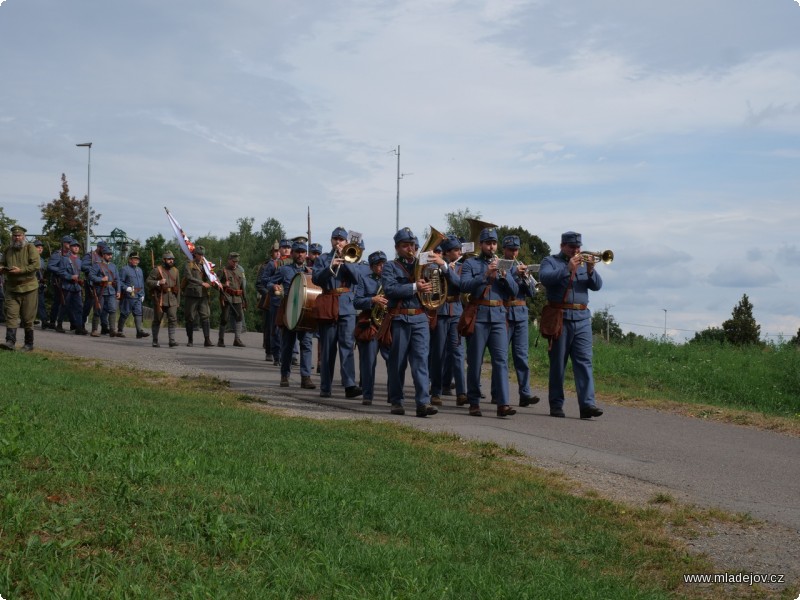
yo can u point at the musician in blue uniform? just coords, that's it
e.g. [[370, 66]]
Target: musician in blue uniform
[[69, 272], [104, 278], [568, 278], [337, 315], [282, 281], [447, 352], [131, 283], [518, 320], [410, 328], [489, 289], [369, 294]]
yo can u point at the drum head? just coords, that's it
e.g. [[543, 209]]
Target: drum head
[[295, 301]]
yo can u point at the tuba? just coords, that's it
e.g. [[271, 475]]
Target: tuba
[[432, 274]]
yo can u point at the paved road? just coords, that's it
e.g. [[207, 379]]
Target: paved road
[[707, 463]]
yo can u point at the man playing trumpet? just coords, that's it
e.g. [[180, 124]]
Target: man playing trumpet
[[568, 276]]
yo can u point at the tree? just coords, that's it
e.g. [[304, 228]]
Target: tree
[[796, 339], [604, 325], [709, 335], [66, 215], [457, 224], [6, 223], [741, 329]]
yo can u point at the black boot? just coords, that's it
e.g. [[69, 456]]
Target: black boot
[[11, 340], [190, 334], [207, 334], [28, 341]]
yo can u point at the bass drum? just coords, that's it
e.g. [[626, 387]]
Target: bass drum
[[300, 300]]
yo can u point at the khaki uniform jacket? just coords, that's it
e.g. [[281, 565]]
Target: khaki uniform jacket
[[194, 276], [233, 282], [168, 294], [27, 259]]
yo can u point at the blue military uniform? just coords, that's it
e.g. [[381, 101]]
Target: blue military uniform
[[518, 327], [104, 278], [575, 341], [89, 260], [447, 352], [273, 340], [69, 272], [491, 331], [339, 332], [289, 338], [410, 332], [131, 283], [368, 286]]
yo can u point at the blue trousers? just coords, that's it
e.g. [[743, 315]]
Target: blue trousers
[[575, 343], [108, 310], [73, 306], [493, 335], [518, 336], [288, 340], [339, 333], [447, 356], [410, 346], [367, 361]]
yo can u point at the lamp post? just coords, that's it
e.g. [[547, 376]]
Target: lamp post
[[88, 189], [665, 321]]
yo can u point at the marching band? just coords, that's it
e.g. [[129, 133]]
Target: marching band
[[436, 307]]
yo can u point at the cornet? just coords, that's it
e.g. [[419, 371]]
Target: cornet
[[606, 257]]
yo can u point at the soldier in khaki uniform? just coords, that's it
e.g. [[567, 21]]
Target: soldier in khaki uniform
[[233, 302], [19, 265], [164, 283], [196, 290]]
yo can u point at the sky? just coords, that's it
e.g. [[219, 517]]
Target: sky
[[665, 131]]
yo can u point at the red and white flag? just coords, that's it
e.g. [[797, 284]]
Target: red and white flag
[[188, 248]]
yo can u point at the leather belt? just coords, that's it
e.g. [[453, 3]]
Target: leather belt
[[453, 299], [407, 311], [337, 291], [490, 302], [567, 306], [514, 303]]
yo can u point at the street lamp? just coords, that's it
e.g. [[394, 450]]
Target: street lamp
[[665, 321], [88, 188]]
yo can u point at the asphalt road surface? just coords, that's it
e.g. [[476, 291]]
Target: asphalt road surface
[[702, 462]]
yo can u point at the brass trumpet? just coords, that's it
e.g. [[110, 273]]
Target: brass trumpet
[[606, 257]]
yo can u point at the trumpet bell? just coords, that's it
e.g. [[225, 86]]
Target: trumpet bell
[[606, 257], [351, 253]]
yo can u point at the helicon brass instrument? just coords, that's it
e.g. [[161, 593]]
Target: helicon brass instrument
[[432, 274], [378, 312], [475, 228], [606, 257]]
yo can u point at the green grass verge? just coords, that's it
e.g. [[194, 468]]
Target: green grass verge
[[135, 485]]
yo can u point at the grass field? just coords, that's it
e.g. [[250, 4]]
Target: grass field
[[133, 485]]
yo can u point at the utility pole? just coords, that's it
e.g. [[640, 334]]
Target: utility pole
[[665, 321], [399, 177]]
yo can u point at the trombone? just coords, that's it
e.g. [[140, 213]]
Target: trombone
[[351, 253]]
